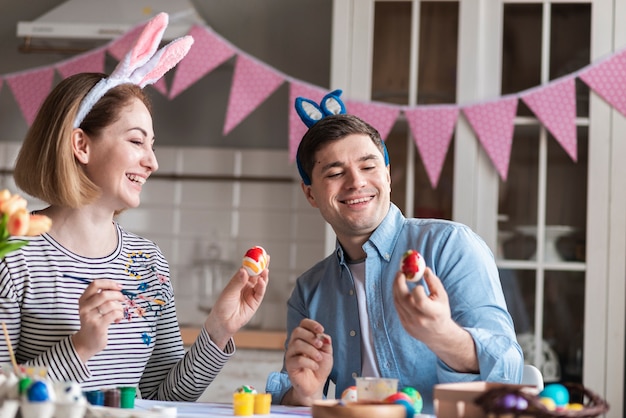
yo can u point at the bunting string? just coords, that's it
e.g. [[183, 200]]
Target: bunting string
[[432, 126]]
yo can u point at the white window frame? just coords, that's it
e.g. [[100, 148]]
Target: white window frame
[[475, 179]]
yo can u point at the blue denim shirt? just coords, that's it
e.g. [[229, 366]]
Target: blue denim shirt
[[465, 265]]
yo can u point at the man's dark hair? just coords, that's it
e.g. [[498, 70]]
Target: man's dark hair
[[329, 129]]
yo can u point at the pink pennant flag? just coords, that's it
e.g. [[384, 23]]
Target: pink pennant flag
[[253, 82], [297, 128], [30, 89], [208, 52], [120, 46], [608, 79], [432, 128], [92, 62], [493, 123], [381, 116], [555, 106], [161, 86]]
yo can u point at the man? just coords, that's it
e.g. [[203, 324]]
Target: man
[[353, 314]]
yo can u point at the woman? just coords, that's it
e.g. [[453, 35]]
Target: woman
[[89, 300]]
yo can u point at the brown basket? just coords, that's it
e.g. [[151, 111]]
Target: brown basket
[[490, 401]]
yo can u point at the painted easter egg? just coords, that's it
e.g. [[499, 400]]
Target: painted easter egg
[[412, 265], [246, 389], [255, 260], [349, 394], [38, 392], [557, 392], [416, 397], [69, 393]]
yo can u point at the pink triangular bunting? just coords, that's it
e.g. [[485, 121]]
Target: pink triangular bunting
[[207, 53], [120, 46], [92, 62], [297, 128], [608, 79], [555, 106], [493, 123], [253, 82], [30, 89], [432, 128], [380, 115]]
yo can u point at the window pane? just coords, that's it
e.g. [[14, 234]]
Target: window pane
[[570, 45], [521, 50], [518, 196], [519, 291], [564, 311], [439, 23], [566, 211], [392, 52]]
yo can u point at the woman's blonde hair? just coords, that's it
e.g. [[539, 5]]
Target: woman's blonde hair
[[46, 167]]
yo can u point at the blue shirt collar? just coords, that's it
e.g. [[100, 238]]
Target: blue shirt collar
[[384, 237]]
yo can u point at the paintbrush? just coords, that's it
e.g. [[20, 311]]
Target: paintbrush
[[87, 281], [10, 347]]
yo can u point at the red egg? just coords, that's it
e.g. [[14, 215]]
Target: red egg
[[397, 397], [349, 394], [413, 265], [255, 261]]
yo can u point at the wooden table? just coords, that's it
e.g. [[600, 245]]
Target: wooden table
[[245, 338]]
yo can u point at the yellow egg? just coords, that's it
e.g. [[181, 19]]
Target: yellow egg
[[575, 407], [548, 403]]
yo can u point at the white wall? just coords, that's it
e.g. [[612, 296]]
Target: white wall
[[184, 216]]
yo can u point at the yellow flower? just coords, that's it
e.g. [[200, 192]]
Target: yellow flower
[[13, 204], [38, 224], [4, 195], [18, 222]]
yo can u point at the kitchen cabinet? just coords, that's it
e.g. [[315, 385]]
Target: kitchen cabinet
[[556, 226]]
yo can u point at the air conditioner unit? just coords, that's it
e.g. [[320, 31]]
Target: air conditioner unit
[[93, 20]]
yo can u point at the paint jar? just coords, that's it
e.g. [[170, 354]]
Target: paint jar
[[127, 396], [262, 403], [243, 404]]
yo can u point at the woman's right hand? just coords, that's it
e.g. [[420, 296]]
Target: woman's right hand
[[99, 306]]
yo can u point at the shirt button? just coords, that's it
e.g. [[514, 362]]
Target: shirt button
[[352, 333], [351, 292], [355, 374]]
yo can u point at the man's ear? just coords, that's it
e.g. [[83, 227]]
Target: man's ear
[[307, 193], [389, 175], [80, 145]]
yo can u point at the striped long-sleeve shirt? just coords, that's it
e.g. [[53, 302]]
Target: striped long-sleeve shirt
[[39, 289]]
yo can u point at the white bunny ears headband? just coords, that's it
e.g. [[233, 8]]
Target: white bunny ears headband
[[141, 65]]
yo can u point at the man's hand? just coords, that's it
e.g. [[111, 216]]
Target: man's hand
[[308, 360], [428, 319]]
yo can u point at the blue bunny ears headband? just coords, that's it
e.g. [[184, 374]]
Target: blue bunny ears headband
[[311, 113]]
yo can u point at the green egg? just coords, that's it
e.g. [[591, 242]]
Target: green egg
[[416, 397]]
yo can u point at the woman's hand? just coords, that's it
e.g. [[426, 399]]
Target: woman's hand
[[236, 305], [99, 306]]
